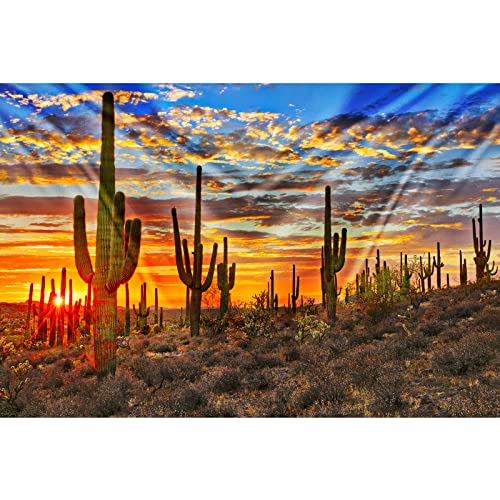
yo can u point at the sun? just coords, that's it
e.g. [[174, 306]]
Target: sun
[[58, 301]]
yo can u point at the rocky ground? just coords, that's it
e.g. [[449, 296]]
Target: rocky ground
[[437, 357]]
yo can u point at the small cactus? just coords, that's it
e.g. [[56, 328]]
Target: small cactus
[[295, 290], [225, 281]]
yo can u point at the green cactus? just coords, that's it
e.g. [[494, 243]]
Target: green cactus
[[295, 290], [482, 256], [225, 281], [334, 258], [142, 312], [127, 311], [438, 265], [193, 278], [117, 248], [406, 276], [463, 270]]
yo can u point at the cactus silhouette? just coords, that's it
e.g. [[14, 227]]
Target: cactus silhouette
[[295, 290], [482, 256], [406, 275], [322, 274], [117, 247], [438, 265], [334, 258], [225, 281], [463, 270], [271, 290], [192, 278]]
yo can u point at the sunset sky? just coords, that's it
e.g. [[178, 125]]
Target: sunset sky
[[408, 166]]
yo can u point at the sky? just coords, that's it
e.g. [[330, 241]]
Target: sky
[[408, 166]]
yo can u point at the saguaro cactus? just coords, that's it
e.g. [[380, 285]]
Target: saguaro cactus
[[295, 290], [271, 280], [225, 281], [405, 284], [438, 265], [143, 311], [463, 270], [322, 274], [192, 277], [117, 247], [28, 315], [482, 256], [334, 258]]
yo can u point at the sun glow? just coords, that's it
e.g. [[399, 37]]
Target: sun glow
[[58, 301]]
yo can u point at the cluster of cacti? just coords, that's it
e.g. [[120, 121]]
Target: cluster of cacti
[[225, 281], [47, 323], [117, 247], [192, 278], [142, 312], [334, 258], [483, 269], [425, 273]]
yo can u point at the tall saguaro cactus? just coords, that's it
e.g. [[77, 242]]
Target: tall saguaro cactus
[[192, 277], [117, 247], [295, 290], [225, 281], [438, 265], [482, 256], [334, 257]]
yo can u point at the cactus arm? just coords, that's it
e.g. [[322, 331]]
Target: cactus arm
[[187, 260], [82, 256], [132, 254], [220, 276], [208, 280], [339, 258], [232, 276], [126, 237], [183, 275], [116, 249], [489, 251]]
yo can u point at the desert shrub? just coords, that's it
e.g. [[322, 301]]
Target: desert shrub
[[431, 327], [468, 354], [337, 344], [310, 326], [13, 380], [377, 310], [267, 360], [212, 325], [51, 378], [220, 408], [403, 346], [183, 401], [290, 353], [474, 400], [227, 380], [161, 347], [461, 310], [489, 318], [387, 390], [232, 358], [255, 381]]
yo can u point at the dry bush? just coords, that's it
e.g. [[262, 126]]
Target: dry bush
[[468, 354]]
